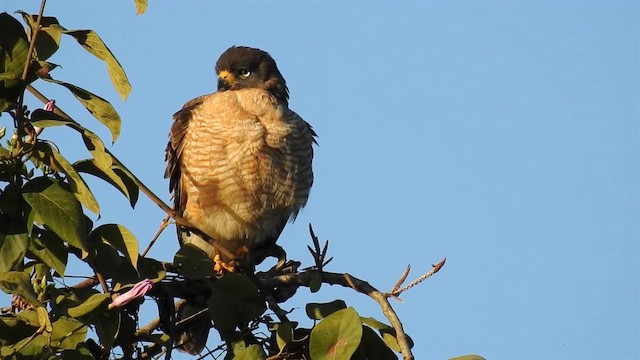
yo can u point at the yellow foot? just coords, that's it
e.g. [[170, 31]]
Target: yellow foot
[[220, 266]]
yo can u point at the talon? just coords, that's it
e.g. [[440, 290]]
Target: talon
[[220, 266]]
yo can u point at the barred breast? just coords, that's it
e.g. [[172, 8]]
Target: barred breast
[[245, 167]]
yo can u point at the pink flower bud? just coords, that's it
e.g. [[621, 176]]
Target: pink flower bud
[[50, 106], [137, 291]]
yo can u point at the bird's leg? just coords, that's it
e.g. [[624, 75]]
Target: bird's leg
[[220, 266]]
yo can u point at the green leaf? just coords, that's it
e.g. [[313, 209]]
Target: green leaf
[[234, 299], [387, 332], [102, 164], [17, 282], [89, 305], [120, 238], [94, 45], [113, 176], [468, 357], [48, 155], [57, 208], [100, 108], [373, 346], [43, 319], [317, 311], [82, 352], [50, 249], [141, 6], [13, 248], [107, 324], [14, 47], [68, 333], [48, 40], [337, 336], [241, 351], [61, 300], [193, 263], [14, 328], [284, 335]]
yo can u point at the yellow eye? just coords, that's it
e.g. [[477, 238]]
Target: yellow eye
[[245, 73]]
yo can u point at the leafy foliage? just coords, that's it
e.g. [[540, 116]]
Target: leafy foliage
[[43, 199]]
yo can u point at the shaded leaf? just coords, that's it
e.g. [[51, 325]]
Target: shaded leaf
[[13, 328], [242, 352], [68, 333], [107, 324], [48, 40], [317, 311], [43, 319], [92, 142], [17, 282], [374, 347], [57, 208], [113, 176], [284, 334], [234, 299], [82, 352], [94, 45], [337, 336], [100, 108], [193, 263], [92, 303], [387, 332], [13, 248], [50, 249], [120, 238], [48, 155], [63, 299], [141, 6], [14, 47]]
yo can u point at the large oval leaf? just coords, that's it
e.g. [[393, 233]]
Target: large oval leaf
[[113, 176], [48, 155], [50, 249], [13, 248], [17, 282], [100, 108], [120, 238], [318, 311], [94, 45], [337, 336], [92, 303], [234, 299], [57, 208]]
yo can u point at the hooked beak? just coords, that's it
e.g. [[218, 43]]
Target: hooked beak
[[225, 80]]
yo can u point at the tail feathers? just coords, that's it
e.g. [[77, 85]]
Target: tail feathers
[[194, 336]]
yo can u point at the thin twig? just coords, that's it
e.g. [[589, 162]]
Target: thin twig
[[435, 268], [346, 280], [163, 225], [32, 45], [25, 72], [401, 280]]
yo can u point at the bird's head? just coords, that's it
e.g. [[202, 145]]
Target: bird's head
[[241, 67]]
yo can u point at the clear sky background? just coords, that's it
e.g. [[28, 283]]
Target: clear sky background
[[501, 135]]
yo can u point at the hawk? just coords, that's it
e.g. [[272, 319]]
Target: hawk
[[239, 164]]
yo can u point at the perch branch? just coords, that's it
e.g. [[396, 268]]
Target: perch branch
[[361, 286]]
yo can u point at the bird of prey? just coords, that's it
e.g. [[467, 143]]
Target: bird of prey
[[239, 164]]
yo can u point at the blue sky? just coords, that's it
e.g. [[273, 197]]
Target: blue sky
[[501, 135]]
